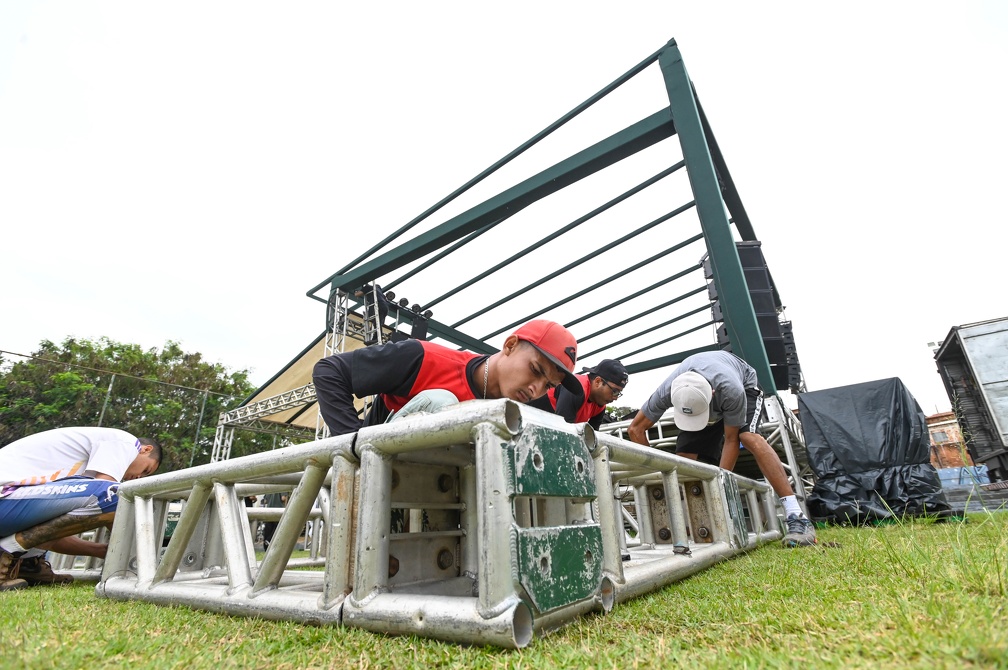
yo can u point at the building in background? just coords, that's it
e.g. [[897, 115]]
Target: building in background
[[947, 447]]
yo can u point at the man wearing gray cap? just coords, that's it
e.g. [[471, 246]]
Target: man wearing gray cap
[[601, 385], [716, 403]]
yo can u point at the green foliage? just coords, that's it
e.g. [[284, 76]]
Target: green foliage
[[615, 413], [168, 395]]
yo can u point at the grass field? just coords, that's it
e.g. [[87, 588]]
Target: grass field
[[910, 595]]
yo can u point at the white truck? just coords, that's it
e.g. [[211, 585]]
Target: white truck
[[973, 364]]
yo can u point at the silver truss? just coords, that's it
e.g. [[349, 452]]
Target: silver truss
[[485, 523], [778, 425]]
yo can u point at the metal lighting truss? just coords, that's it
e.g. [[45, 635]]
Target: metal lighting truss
[[341, 324], [426, 256], [484, 523], [780, 427], [489, 522]]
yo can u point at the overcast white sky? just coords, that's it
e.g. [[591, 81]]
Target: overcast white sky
[[187, 171]]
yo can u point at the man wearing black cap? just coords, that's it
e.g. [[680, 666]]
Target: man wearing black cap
[[415, 375], [600, 386]]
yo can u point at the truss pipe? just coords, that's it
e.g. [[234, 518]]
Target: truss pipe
[[442, 617], [626, 453], [184, 530], [146, 546], [608, 515], [646, 576], [452, 425], [493, 526], [645, 522], [675, 508], [120, 544], [470, 522], [280, 461], [285, 538], [234, 529], [374, 518], [280, 605], [338, 553]]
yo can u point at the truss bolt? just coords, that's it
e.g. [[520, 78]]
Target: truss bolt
[[189, 558], [445, 559], [393, 566], [445, 483], [702, 532], [664, 534], [696, 489], [657, 493]]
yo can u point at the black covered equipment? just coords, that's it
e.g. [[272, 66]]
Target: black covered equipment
[[869, 447]]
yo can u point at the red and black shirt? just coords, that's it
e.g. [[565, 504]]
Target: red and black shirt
[[575, 409], [394, 373]]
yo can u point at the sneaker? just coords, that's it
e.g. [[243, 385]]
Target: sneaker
[[37, 571], [9, 564], [800, 532]]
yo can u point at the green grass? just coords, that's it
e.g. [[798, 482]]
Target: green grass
[[910, 595]]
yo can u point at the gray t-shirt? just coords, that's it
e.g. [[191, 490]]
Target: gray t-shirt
[[729, 377]]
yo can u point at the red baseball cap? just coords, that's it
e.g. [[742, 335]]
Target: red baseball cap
[[555, 343]]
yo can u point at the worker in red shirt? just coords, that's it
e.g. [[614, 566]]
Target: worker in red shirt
[[415, 375], [600, 386]]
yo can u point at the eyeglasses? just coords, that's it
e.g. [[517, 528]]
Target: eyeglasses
[[615, 391]]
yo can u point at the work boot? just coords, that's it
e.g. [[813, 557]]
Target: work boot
[[800, 532], [9, 564], [37, 571]]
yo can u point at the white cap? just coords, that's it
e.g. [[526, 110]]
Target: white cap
[[691, 396]]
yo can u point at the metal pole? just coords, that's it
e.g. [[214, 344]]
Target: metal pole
[[105, 404], [199, 425]]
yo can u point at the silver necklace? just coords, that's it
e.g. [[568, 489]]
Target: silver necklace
[[486, 376]]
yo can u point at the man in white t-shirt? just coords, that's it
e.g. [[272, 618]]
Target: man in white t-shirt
[[56, 484]]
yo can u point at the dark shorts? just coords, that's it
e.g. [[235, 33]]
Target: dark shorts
[[28, 506], [707, 443]]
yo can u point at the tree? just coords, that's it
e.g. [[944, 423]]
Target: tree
[[170, 395], [614, 413]]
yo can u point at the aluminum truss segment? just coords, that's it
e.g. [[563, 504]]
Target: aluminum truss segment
[[779, 426], [483, 523], [304, 395], [688, 515]]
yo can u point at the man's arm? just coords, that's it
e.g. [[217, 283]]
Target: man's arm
[[655, 406], [729, 452], [387, 368], [638, 429], [75, 546]]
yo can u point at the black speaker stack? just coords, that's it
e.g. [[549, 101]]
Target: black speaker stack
[[778, 337]]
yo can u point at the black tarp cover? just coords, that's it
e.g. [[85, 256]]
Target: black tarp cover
[[869, 447]]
